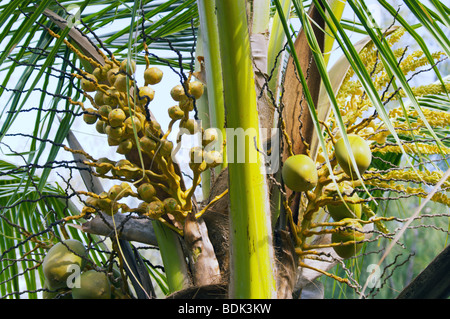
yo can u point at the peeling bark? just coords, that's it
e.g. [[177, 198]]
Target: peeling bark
[[259, 44], [202, 259], [286, 264], [217, 221]]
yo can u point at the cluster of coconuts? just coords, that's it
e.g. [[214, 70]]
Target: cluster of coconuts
[[299, 174], [59, 264], [349, 212], [107, 202], [115, 119], [152, 206]]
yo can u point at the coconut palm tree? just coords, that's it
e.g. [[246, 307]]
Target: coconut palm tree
[[314, 118]]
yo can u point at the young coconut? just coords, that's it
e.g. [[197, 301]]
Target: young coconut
[[111, 75], [106, 205], [90, 116], [88, 83], [213, 158], [153, 75], [104, 110], [197, 154], [114, 132], [93, 285], [59, 258], [98, 73], [121, 83], [98, 98], [113, 141], [147, 144], [47, 293], [347, 209], [299, 173], [145, 95], [124, 66], [175, 112], [190, 125], [170, 205], [126, 169], [165, 148], [106, 167], [130, 122], [186, 105], [152, 129], [196, 89], [100, 126], [116, 117], [146, 192], [111, 98], [177, 93], [125, 146], [361, 152], [155, 209], [115, 192], [210, 137], [348, 235], [197, 161]]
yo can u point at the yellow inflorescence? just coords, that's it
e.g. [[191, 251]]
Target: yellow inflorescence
[[415, 148], [409, 175]]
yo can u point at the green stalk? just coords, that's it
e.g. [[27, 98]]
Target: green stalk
[[172, 257], [252, 273], [213, 66]]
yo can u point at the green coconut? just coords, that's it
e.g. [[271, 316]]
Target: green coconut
[[146, 192], [299, 173], [348, 236], [361, 152], [59, 259], [93, 285], [153, 75], [345, 210], [196, 89]]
